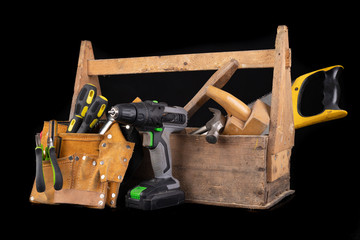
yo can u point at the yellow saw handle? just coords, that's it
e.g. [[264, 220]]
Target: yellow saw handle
[[330, 100]]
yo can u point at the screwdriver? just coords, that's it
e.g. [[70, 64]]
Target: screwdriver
[[93, 115], [83, 101]]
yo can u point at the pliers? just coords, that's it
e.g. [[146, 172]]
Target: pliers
[[48, 154]]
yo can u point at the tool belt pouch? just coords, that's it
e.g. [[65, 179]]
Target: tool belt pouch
[[92, 165]]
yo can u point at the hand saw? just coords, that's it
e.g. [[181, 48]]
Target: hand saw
[[330, 101]]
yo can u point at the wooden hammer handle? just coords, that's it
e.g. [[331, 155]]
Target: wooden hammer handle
[[232, 105], [218, 79]]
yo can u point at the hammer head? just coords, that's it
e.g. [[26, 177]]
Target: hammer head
[[218, 117], [215, 125]]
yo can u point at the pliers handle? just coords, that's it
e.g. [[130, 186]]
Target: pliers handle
[[40, 157], [39, 178]]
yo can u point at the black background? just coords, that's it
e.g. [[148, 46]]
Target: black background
[[324, 162]]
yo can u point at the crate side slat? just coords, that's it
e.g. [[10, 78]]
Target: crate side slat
[[232, 170]]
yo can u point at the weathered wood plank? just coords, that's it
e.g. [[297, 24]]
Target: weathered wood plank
[[231, 171], [280, 164], [268, 205], [183, 62], [276, 188], [281, 130], [218, 79], [82, 77]]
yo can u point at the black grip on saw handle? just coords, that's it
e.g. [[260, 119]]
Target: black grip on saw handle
[[330, 101], [331, 89]]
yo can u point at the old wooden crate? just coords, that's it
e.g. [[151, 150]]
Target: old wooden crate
[[239, 171]]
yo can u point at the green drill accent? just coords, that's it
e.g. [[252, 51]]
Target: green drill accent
[[151, 139], [135, 193]]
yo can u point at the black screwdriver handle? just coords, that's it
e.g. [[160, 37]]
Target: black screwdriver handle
[[39, 178], [75, 124], [85, 98], [332, 89], [93, 115], [58, 179]]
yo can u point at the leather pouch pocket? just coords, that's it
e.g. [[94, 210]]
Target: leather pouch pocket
[[92, 166]]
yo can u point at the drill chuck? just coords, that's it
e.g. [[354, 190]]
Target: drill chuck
[[113, 112], [124, 113]]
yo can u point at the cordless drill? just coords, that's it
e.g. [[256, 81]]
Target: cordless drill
[[156, 121]]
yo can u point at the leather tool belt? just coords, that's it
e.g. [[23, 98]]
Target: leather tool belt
[[92, 166]]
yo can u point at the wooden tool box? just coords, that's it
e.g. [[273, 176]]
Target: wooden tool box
[[239, 171]]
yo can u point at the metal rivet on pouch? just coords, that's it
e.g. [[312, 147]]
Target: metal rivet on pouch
[[84, 158], [102, 163], [94, 163], [112, 202], [100, 203], [102, 196], [76, 158], [109, 136], [102, 176], [113, 195], [71, 158], [125, 159], [32, 198], [119, 177], [128, 147], [103, 145]]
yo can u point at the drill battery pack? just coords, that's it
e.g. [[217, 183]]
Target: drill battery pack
[[154, 194]]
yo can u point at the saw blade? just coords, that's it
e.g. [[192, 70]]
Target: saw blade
[[265, 99]]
